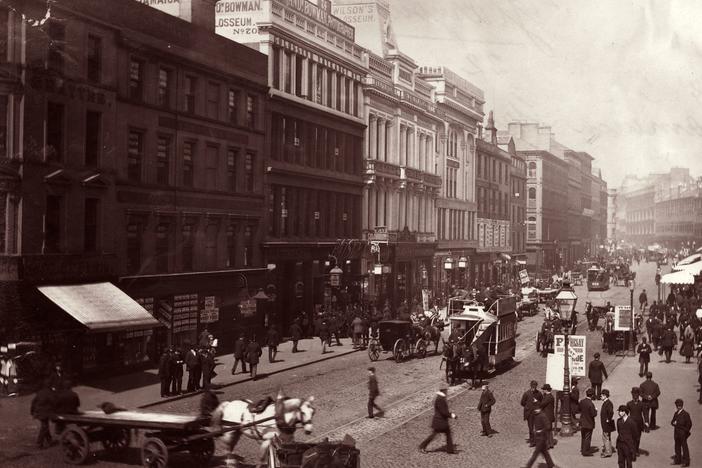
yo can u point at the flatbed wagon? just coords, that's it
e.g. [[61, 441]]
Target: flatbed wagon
[[161, 434]]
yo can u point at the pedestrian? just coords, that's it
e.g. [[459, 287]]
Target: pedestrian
[[644, 350], [530, 400], [357, 325], [596, 372], [574, 403], [548, 407], [682, 425], [643, 301], [324, 335], [253, 353], [650, 391], [66, 402], [607, 424], [587, 422], [373, 393], [625, 438], [192, 364], [164, 372], [487, 401], [635, 406], [239, 353], [272, 340], [42, 409], [177, 372], [440, 422], [668, 341], [699, 377], [295, 334], [207, 362], [203, 340], [542, 427], [57, 376], [687, 348]]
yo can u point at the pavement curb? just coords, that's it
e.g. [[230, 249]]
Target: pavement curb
[[231, 384]]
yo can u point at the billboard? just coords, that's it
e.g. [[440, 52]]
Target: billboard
[[623, 318], [172, 7], [238, 20], [577, 348]]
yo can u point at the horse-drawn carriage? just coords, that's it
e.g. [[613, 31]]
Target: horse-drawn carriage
[[402, 338], [621, 274], [529, 303], [553, 325]]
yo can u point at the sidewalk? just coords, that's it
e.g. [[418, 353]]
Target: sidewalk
[[676, 380], [143, 389]]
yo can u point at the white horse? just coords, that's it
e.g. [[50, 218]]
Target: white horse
[[282, 425]]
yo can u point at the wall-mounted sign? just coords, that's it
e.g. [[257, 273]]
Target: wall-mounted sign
[[248, 307]]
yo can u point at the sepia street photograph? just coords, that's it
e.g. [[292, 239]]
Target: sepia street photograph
[[350, 233]]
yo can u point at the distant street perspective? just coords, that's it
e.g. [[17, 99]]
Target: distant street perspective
[[350, 233]]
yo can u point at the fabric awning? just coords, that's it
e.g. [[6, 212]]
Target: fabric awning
[[692, 268], [688, 261], [101, 307], [678, 277]]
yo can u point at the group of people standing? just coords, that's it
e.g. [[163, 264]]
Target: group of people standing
[[199, 361]]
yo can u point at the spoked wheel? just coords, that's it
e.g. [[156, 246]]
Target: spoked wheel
[[202, 451], [154, 453], [373, 350], [420, 348], [116, 439], [399, 351], [75, 445]]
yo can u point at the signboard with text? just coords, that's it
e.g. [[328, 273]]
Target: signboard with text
[[238, 19], [623, 320], [577, 349], [523, 276], [172, 7]]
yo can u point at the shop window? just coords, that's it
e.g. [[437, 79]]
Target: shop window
[[135, 155], [188, 163], [94, 59], [55, 130], [133, 248], [93, 128], [164, 87], [187, 247], [232, 159], [91, 224], [53, 220], [136, 79], [163, 156], [233, 106]]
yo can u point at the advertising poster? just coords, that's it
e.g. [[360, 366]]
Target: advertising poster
[[577, 349], [238, 19], [622, 318]]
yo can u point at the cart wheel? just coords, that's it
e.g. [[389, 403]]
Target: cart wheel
[[399, 350], [420, 348], [202, 451], [538, 342], [75, 445], [116, 439], [373, 350], [154, 453]]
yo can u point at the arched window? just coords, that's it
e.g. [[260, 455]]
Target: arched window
[[532, 193], [532, 169]]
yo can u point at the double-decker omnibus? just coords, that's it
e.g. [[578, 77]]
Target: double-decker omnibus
[[597, 279]]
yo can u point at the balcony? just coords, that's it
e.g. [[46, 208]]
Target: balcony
[[375, 168]]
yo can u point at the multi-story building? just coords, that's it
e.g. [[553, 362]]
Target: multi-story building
[[493, 195], [615, 229], [141, 162], [580, 210], [314, 182], [460, 105], [518, 203], [599, 202], [547, 196], [678, 215]]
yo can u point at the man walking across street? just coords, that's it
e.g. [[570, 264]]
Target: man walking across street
[[295, 334], [650, 391], [635, 406], [542, 427], [548, 407], [644, 350], [440, 422], [587, 423], [643, 301], [596, 372], [668, 341], [373, 392], [487, 400], [42, 409], [192, 363], [253, 353], [530, 400], [625, 438], [272, 340], [240, 353], [607, 423], [682, 425]]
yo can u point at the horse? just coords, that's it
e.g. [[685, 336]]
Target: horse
[[544, 341], [431, 331], [278, 421], [452, 359]]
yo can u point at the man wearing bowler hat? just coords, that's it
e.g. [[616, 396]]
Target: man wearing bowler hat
[[440, 422], [373, 393], [548, 407]]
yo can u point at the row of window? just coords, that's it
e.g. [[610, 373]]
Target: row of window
[[55, 220], [451, 182], [304, 143], [492, 203], [200, 165], [454, 224], [499, 172], [308, 213]]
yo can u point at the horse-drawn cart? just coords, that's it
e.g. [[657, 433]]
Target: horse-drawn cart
[[400, 337]]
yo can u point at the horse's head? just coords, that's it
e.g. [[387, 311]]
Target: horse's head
[[306, 414]]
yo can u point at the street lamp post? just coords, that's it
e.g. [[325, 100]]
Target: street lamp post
[[448, 266], [462, 264], [632, 286], [566, 300]]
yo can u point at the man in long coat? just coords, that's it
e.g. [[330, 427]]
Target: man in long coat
[[625, 438], [607, 424], [253, 353], [487, 400], [668, 341], [42, 409], [542, 427], [530, 400], [240, 353], [597, 372], [164, 372], [587, 422], [644, 350], [295, 334], [548, 407], [635, 406], [373, 392], [682, 425], [650, 391], [440, 422], [192, 364], [272, 340]]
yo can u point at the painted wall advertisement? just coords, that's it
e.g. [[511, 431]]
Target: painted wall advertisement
[[238, 19], [172, 7]]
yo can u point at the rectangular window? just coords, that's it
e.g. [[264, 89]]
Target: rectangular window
[[163, 156], [57, 46], [329, 101], [190, 84], [250, 111], [213, 100], [232, 159], [188, 163], [136, 79], [211, 246], [3, 126], [248, 246], [94, 59], [133, 248], [211, 169], [275, 51], [233, 106], [188, 247], [91, 225], [54, 131], [231, 246], [287, 77], [249, 171], [93, 125], [53, 224], [164, 88], [135, 155], [162, 248], [298, 76]]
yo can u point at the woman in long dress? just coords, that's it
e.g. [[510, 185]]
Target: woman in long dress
[[688, 343]]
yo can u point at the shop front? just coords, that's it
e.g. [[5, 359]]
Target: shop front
[[412, 262], [453, 271]]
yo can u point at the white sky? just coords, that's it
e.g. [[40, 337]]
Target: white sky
[[620, 79]]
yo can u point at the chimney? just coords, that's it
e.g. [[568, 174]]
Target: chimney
[[200, 13]]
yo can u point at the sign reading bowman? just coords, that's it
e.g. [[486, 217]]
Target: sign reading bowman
[[238, 20]]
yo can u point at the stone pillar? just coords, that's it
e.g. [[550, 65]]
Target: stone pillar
[[382, 195], [315, 82], [420, 164], [325, 88], [282, 62], [293, 74], [371, 207], [334, 94], [403, 143], [373, 137], [364, 209], [305, 85], [342, 93], [271, 65], [401, 200], [382, 154]]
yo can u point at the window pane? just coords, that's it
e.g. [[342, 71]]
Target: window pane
[[213, 100], [92, 137], [135, 79], [54, 131], [248, 170], [212, 161], [232, 157], [232, 106], [190, 94], [94, 59], [250, 111], [188, 164], [134, 156], [163, 155], [164, 88]]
